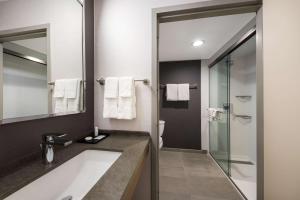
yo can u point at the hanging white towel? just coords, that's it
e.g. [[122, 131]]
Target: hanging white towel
[[73, 95], [172, 92], [126, 85], [161, 143], [60, 102], [127, 108], [72, 88], [110, 108], [60, 105], [111, 93], [184, 92], [59, 88], [111, 87], [127, 99]]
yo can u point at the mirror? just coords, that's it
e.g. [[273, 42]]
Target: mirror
[[42, 71]]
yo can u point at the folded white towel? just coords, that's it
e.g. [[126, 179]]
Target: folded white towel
[[126, 85], [60, 105], [127, 108], [184, 92], [127, 99], [59, 88], [72, 88], [172, 92], [111, 93], [110, 108], [111, 87], [74, 103]]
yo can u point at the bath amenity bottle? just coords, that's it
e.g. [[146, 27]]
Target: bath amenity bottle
[[96, 131]]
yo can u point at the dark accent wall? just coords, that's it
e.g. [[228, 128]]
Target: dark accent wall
[[183, 118], [20, 140]]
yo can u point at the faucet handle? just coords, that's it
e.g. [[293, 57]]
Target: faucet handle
[[55, 134], [51, 136]]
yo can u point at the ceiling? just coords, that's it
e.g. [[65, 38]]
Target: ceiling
[[36, 44], [176, 38]]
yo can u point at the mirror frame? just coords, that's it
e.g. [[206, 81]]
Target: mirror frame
[[27, 33]]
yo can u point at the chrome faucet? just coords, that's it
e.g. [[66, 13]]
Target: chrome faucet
[[48, 141]]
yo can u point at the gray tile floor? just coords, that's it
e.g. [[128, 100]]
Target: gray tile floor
[[192, 176]]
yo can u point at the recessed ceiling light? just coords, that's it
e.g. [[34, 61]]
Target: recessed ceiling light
[[198, 43]]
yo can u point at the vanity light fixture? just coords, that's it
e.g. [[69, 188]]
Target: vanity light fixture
[[198, 43]]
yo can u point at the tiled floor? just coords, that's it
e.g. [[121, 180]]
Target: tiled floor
[[192, 176]]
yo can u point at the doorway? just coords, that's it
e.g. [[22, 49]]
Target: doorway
[[182, 13]]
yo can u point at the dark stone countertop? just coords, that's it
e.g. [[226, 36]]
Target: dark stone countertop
[[111, 186]]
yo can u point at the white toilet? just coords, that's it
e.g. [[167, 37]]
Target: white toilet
[[161, 132]]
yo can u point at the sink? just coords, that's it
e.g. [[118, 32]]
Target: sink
[[71, 180]]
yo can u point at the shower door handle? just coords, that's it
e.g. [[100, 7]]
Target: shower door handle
[[228, 107]]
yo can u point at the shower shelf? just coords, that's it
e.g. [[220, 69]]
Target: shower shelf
[[244, 116], [244, 98]]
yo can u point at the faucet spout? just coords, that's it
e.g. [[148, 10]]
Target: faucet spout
[[48, 141]]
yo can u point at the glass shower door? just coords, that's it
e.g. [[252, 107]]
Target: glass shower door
[[219, 137]]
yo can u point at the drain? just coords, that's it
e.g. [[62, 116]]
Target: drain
[[67, 198]]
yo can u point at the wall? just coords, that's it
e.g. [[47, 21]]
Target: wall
[[65, 19], [123, 48], [204, 105], [183, 118], [281, 30], [21, 139]]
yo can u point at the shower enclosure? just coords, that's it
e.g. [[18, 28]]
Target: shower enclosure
[[233, 127]]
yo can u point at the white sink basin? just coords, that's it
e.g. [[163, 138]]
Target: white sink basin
[[73, 178]]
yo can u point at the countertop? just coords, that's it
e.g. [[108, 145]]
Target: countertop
[[113, 185]]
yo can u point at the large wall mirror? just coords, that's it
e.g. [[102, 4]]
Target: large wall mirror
[[42, 68]]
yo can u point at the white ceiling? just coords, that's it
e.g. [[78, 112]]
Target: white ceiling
[[176, 38]]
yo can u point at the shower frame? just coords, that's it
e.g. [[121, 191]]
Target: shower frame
[[203, 10], [238, 40]]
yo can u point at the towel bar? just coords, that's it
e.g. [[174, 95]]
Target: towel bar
[[243, 116], [101, 81], [53, 83], [192, 86]]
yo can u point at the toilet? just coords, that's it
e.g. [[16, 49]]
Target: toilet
[[161, 132]]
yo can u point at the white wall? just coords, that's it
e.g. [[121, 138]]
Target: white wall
[[123, 48], [65, 19], [204, 105], [281, 31]]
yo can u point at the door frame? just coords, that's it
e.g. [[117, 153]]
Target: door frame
[[195, 11]]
